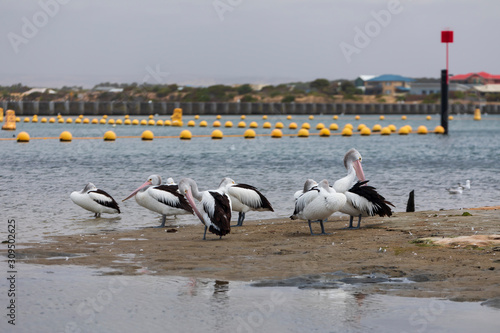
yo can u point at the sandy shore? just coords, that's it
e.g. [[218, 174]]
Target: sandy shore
[[460, 269]]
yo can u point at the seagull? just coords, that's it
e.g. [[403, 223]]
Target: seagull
[[162, 199], [216, 215], [318, 203], [455, 190], [465, 186], [362, 200], [244, 198], [95, 200]]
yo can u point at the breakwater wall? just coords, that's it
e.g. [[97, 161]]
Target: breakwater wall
[[25, 108]]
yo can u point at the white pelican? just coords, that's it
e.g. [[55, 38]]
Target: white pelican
[[244, 198], [309, 184], [318, 203], [216, 204], [362, 200], [162, 199], [96, 200]]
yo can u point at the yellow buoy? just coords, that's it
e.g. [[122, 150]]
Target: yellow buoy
[[151, 116], [325, 132], [292, 126], [69, 121], [289, 117], [361, 126], [147, 135], [218, 116], [403, 117], [276, 133], [85, 120], [59, 116], [159, 122], [217, 134], [242, 124], [102, 121], [203, 123], [404, 130], [105, 116], [127, 116], [23, 137], [422, 129], [381, 117], [439, 130], [10, 121], [243, 116], [111, 121], [357, 117], [450, 117], [167, 122], [311, 117], [191, 123], [392, 128], [109, 136], [135, 122], [409, 127], [335, 117], [279, 125], [177, 123], [365, 131], [266, 125], [77, 121], [303, 133], [333, 127], [254, 124], [43, 120], [60, 120], [144, 122], [94, 121], [349, 125], [306, 126], [26, 120], [376, 128], [18, 119], [346, 131], [228, 124], [216, 123], [197, 117], [119, 122], [80, 116], [320, 126], [34, 119], [385, 131], [127, 122], [185, 135], [151, 122], [428, 117], [65, 136], [264, 117], [249, 134], [477, 114]]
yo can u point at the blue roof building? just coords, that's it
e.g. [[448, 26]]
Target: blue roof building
[[388, 84]]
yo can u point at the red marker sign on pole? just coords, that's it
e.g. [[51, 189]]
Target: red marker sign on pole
[[447, 37]]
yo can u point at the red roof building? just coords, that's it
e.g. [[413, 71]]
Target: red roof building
[[476, 78]]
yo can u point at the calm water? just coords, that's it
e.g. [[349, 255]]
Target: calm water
[[37, 178]]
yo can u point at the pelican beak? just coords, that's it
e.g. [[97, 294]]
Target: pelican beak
[[137, 190], [190, 199], [359, 170]]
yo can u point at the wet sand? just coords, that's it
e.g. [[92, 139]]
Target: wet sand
[[461, 269]]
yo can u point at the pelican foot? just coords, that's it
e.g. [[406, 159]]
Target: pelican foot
[[350, 228]]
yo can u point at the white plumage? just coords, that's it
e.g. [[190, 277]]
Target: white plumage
[[95, 200]]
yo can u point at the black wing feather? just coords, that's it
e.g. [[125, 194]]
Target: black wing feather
[[222, 214], [181, 204], [110, 204], [369, 193], [265, 203]]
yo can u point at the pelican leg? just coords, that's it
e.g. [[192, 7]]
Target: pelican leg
[[322, 227], [241, 217], [359, 223], [163, 220], [351, 220], [205, 234], [97, 215]]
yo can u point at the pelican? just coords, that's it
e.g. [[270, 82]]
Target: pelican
[[216, 204], [162, 199], [362, 200], [318, 203], [95, 200], [309, 184], [244, 198]]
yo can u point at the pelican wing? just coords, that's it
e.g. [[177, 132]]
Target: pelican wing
[[168, 195], [104, 199], [304, 200], [367, 199], [250, 196], [218, 208]]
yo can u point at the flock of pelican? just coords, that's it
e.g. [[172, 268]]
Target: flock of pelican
[[315, 202]]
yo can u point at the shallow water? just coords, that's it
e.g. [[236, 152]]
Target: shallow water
[[38, 177], [76, 299]]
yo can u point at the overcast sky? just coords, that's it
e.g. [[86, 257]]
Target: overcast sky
[[201, 42]]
